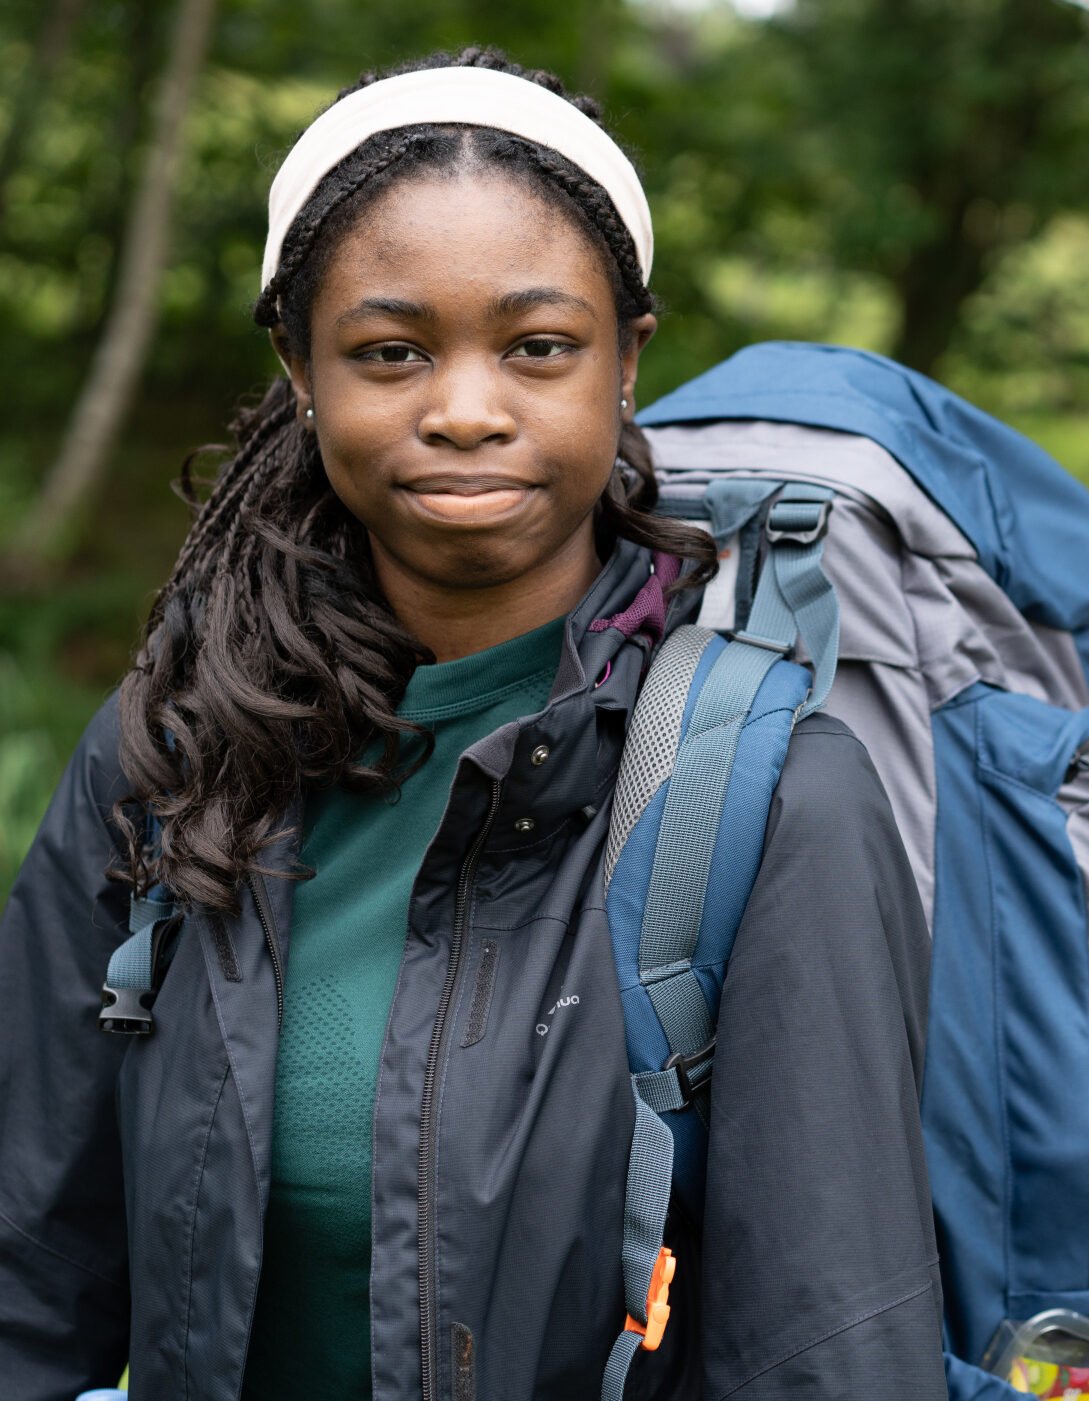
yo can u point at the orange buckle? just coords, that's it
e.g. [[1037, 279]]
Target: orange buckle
[[665, 1267]]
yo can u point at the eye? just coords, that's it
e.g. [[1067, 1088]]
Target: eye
[[541, 348], [390, 355]]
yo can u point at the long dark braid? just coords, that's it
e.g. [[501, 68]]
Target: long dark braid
[[271, 662]]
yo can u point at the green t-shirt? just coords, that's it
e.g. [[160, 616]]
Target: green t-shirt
[[311, 1330]]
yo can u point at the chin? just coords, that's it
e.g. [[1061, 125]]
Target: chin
[[481, 571]]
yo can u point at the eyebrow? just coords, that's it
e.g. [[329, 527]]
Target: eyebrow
[[514, 303], [510, 304], [388, 306]]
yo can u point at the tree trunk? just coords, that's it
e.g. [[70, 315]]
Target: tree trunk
[[100, 410], [932, 288]]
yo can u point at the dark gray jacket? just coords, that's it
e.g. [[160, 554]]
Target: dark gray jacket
[[134, 1172]]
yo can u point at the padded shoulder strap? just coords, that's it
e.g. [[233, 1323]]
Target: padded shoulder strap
[[682, 864], [794, 595], [695, 760]]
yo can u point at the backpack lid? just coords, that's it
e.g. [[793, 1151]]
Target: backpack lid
[[1027, 518]]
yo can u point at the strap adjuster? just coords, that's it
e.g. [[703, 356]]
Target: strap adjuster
[[753, 640], [125, 1010], [665, 1267], [806, 535], [685, 1066]]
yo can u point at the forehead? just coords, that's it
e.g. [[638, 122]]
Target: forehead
[[463, 237]]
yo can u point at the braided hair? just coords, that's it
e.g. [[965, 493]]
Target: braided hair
[[271, 663]]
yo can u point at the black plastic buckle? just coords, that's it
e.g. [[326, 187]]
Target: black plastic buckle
[[125, 1010], [800, 537], [684, 1065]]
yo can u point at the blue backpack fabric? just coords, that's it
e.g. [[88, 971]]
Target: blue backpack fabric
[[1006, 1091], [1023, 513]]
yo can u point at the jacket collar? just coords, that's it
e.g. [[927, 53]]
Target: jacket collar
[[608, 642]]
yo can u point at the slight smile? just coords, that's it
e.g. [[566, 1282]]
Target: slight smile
[[468, 500]]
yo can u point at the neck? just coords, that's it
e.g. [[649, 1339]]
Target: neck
[[456, 622]]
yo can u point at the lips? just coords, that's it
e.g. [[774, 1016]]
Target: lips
[[468, 499], [465, 484]]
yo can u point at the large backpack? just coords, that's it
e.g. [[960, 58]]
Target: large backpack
[[950, 601], [935, 567]]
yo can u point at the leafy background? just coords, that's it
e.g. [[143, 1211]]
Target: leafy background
[[903, 175]]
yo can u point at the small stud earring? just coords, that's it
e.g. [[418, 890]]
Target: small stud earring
[[623, 403], [310, 413]]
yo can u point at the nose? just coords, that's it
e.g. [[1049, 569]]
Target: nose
[[467, 407]]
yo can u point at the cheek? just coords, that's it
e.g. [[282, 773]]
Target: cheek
[[355, 438], [349, 413], [583, 426], [599, 459]]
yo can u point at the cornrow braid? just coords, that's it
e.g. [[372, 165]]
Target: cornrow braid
[[271, 663], [599, 211], [352, 175]]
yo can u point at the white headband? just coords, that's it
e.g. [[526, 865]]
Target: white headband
[[469, 96]]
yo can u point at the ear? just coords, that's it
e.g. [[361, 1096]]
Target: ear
[[639, 333], [298, 372]]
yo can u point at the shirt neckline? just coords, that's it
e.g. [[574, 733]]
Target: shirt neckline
[[466, 685]]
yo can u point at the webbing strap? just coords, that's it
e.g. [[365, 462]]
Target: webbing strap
[[732, 504], [662, 1089], [794, 594], [679, 1002], [618, 1365], [131, 963], [147, 910], [650, 1175]]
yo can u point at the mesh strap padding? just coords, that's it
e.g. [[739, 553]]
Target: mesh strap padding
[[651, 746], [682, 859]]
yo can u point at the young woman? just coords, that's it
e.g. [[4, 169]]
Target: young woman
[[385, 689]]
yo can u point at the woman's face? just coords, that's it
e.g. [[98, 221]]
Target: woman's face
[[466, 380]]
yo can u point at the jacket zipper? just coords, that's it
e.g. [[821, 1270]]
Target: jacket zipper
[[426, 1196], [268, 924]]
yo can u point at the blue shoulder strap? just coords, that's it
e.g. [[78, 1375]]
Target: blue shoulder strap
[[794, 595]]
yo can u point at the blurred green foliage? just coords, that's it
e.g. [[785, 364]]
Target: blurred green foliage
[[897, 174]]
